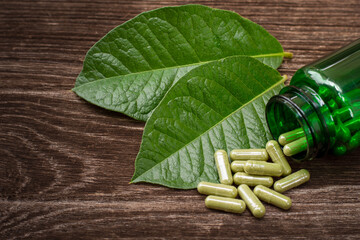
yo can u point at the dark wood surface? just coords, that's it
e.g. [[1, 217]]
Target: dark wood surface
[[65, 165]]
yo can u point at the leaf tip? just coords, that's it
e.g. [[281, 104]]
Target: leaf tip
[[133, 180]]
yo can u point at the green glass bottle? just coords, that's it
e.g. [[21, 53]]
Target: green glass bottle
[[322, 102]]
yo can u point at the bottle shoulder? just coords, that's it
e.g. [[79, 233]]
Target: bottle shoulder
[[308, 76]]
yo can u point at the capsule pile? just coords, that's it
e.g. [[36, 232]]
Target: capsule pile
[[252, 169], [345, 131], [345, 110]]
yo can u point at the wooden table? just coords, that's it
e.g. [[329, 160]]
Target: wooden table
[[65, 164]]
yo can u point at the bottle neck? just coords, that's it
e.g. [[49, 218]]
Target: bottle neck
[[302, 107]]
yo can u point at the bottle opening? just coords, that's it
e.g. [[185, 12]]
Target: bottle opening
[[289, 112]]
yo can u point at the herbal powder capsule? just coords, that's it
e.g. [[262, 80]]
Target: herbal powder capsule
[[354, 124], [276, 154], [343, 114], [223, 167], [252, 202], [291, 181], [325, 93], [263, 168], [237, 166], [291, 136], [222, 190], [332, 105], [295, 147], [252, 180], [339, 149], [272, 197], [225, 204], [343, 133], [249, 154], [354, 141]]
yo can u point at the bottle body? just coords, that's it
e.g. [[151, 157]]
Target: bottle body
[[323, 99]]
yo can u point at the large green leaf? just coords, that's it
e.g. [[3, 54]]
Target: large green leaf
[[134, 65], [219, 105]]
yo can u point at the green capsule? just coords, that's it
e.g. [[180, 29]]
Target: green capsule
[[340, 101], [332, 105], [225, 204], [342, 132], [223, 167], [237, 166], [291, 136], [222, 190], [252, 202], [263, 168], [325, 93], [252, 180], [276, 154], [291, 181], [295, 147], [270, 196], [354, 141], [249, 154], [353, 125], [339, 149], [343, 114]]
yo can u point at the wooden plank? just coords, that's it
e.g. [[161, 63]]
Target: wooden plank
[[65, 165], [175, 214]]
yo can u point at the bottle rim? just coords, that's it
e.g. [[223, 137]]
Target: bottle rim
[[285, 100]]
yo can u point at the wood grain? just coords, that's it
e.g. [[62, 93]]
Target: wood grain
[[65, 164]]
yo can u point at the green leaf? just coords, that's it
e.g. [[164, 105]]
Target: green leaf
[[134, 65], [219, 105]]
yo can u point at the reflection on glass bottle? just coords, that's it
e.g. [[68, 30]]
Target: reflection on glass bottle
[[323, 100]]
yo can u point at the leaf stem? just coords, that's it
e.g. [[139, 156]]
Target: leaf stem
[[280, 54], [288, 54], [284, 78]]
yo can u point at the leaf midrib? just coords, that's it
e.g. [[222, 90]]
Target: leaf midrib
[[282, 80], [279, 54]]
